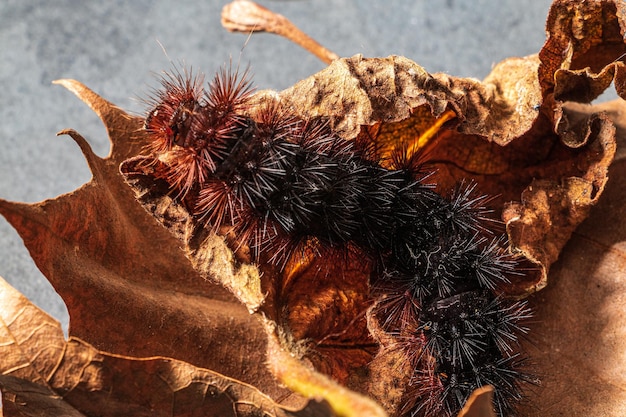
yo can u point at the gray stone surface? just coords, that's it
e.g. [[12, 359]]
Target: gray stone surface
[[114, 47]]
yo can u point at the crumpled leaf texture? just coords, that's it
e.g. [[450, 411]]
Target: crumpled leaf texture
[[128, 287], [138, 289], [503, 141], [73, 378], [580, 337]]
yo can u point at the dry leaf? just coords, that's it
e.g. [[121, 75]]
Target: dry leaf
[[502, 140], [319, 320], [52, 376], [479, 403], [247, 17], [503, 137], [579, 336], [136, 288], [128, 287]]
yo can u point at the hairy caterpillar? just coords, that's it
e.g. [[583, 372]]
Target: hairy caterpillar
[[280, 181]]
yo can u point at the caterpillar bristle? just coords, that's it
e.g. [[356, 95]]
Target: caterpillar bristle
[[180, 95], [216, 204], [424, 392], [291, 190], [229, 92], [468, 211], [397, 310], [491, 262], [276, 122]]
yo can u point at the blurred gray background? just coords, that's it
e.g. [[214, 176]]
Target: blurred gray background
[[114, 47]]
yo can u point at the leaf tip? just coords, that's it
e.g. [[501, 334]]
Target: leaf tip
[[84, 146]]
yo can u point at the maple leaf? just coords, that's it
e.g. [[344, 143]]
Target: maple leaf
[[141, 279], [72, 378]]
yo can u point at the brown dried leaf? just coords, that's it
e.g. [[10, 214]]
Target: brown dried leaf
[[546, 149], [579, 337], [578, 62], [52, 376], [127, 282], [302, 304], [309, 313], [128, 287], [247, 17], [295, 373], [581, 55], [553, 205], [393, 101], [131, 289], [479, 404]]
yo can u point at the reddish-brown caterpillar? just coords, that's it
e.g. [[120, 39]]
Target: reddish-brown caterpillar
[[280, 181]]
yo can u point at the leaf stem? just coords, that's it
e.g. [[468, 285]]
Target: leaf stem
[[248, 17]]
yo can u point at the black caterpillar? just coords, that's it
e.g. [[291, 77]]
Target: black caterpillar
[[281, 181]]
